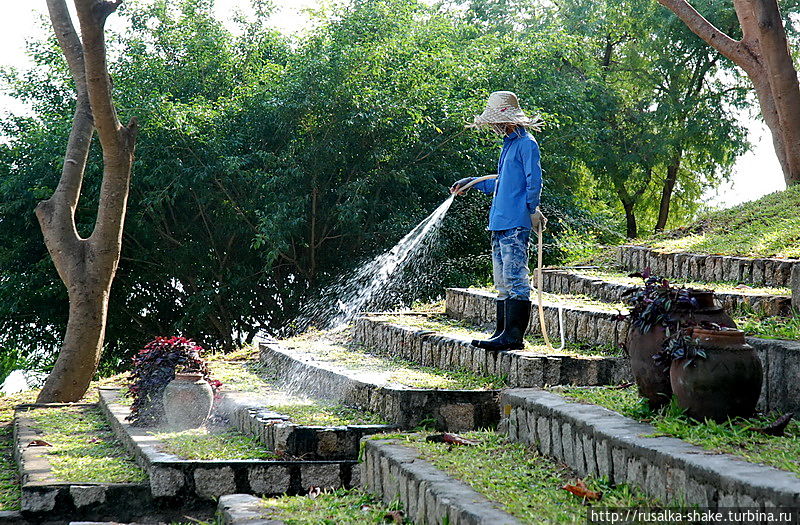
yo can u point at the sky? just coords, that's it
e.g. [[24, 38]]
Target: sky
[[756, 173]]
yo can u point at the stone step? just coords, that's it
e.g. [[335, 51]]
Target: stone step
[[175, 479], [423, 340], [584, 322], [45, 497], [334, 371], [429, 496], [596, 441], [612, 288], [699, 267], [251, 416], [780, 359]]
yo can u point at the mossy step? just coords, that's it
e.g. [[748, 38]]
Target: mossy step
[[594, 440], [491, 481], [329, 365], [609, 286], [171, 476], [432, 340], [71, 464]]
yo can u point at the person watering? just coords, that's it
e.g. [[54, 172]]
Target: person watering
[[515, 210]]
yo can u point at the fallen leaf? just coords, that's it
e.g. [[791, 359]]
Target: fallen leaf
[[623, 386], [313, 492], [743, 286], [777, 427], [453, 439], [394, 516], [366, 508], [582, 491], [39, 443]]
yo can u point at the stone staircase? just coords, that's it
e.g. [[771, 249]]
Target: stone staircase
[[418, 369]]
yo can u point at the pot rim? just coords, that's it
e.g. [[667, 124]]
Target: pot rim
[[189, 376]]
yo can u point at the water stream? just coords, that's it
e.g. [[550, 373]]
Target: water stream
[[368, 285]]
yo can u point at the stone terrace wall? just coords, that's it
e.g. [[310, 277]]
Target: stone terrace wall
[[780, 359], [580, 325], [690, 266], [596, 441], [566, 282], [521, 368]]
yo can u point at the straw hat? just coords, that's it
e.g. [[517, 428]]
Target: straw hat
[[503, 108]]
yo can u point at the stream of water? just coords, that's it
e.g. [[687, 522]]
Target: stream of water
[[366, 287]]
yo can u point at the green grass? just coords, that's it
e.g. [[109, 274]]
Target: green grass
[[246, 375], [84, 448], [335, 349], [341, 507], [717, 286], [200, 443], [767, 227], [735, 437], [569, 300], [767, 327], [525, 483], [440, 323], [9, 482]]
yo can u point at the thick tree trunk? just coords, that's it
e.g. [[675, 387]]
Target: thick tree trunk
[[86, 266], [763, 53], [666, 192]]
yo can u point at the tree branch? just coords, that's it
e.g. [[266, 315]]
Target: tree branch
[[730, 48]]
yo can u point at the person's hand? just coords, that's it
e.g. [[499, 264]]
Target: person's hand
[[457, 185], [537, 219]]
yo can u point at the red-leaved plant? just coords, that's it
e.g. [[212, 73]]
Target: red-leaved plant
[[154, 367]]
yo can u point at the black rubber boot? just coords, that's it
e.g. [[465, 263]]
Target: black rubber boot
[[518, 314], [501, 319]]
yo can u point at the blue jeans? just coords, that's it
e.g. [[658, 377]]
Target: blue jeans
[[510, 263]]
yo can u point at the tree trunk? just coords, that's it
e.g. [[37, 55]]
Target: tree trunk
[[631, 230], [763, 53], [666, 192], [86, 266]]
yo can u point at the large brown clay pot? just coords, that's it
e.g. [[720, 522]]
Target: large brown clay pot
[[652, 379], [187, 401], [725, 383]]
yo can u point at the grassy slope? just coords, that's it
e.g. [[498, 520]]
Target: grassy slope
[[766, 227]]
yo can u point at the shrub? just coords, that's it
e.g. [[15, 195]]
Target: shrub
[[154, 367]]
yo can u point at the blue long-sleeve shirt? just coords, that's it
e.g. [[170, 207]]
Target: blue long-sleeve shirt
[[519, 185]]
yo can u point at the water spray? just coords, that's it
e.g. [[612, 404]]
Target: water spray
[[540, 249]]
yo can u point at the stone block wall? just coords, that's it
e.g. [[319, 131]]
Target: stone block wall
[[428, 495], [796, 286], [595, 441], [582, 325], [690, 266], [566, 282], [452, 410], [521, 368]]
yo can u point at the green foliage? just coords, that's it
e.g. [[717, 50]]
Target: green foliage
[[737, 436], [267, 168], [759, 324]]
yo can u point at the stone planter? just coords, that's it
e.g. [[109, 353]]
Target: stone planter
[[652, 380], [726, 383], [187, 401]]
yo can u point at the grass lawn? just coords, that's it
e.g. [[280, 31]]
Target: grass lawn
[[202, 443], [342, 507], [335, 349], [245, 374], [766, 227], [524, 483], [84, 448], [735, 437]]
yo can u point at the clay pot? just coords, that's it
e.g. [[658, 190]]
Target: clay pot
[[653, 380], [187, 401], [726, 383]]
